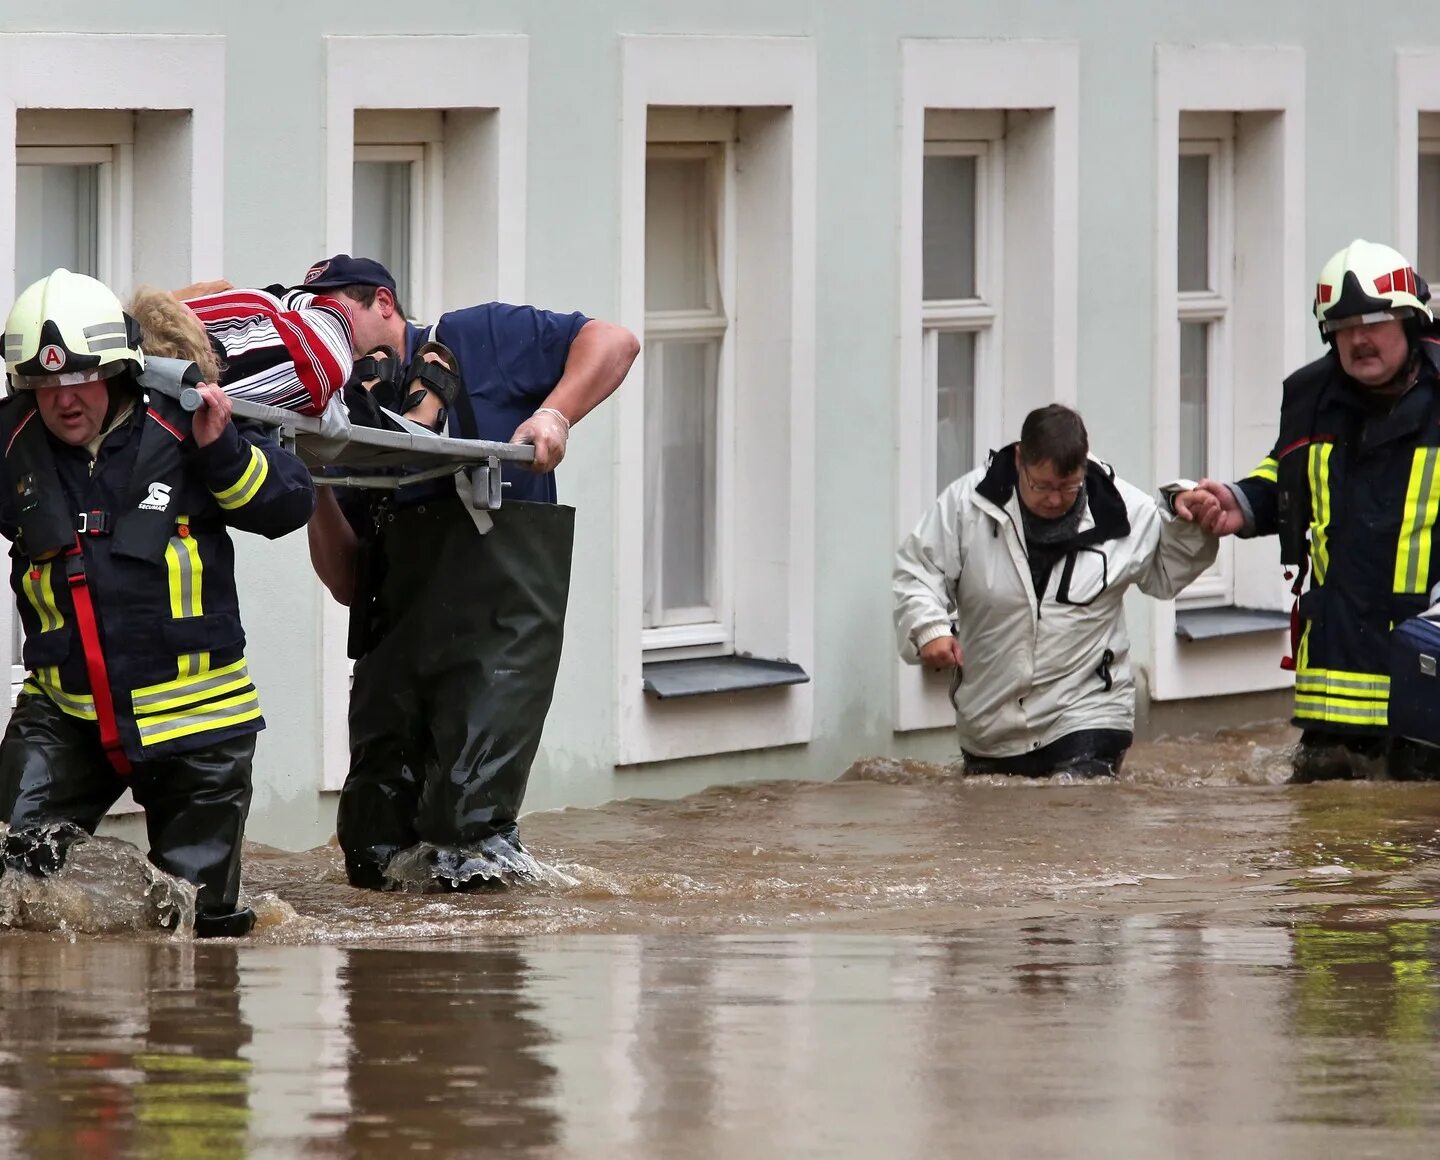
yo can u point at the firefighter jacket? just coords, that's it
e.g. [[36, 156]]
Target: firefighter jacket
[[1038, 666], [1352, 488], [143, 528]]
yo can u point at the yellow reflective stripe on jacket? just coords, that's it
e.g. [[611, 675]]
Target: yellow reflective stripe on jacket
[[245, 488], [1342, 698], [185, 572], [1319, 468], [41, 592], [1269, 470], [202, 684], [46, 683], [1422, 502], [205, 719]]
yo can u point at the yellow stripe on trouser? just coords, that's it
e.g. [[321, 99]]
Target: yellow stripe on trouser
[[245, 488], [1268, 470], [45, 682], [1339, 697], [1319, 465], [186, 573], [41, 591], [1422, 498]]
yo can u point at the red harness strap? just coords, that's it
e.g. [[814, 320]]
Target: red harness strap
[[94, 658]]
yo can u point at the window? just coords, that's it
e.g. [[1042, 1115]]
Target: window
[[715, 439], [425, 157], [1204, 261], [988, 204], [1231, 294], [1427, 256], [687, 393], [963, 186]]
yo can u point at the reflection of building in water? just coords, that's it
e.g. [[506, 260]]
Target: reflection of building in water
[[115, 1049], [445, 1053]]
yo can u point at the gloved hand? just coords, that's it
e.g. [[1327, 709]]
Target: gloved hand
[[40, 850], [549, 431]]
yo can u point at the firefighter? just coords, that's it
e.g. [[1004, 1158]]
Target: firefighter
[[119, 505], [1353, 491]]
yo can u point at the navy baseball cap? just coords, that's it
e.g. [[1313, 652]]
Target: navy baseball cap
[[343, 270]]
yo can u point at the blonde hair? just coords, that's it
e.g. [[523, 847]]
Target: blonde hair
[[170, 329]]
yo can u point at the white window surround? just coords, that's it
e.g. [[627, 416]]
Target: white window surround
[[156, 106], [771, 81], [1263, 88], [1032, 89], [1417, 92], [481, 83]]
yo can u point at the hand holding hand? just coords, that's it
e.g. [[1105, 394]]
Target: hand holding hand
[[210, 421], [1213, 506], [549, 431], [942, 653]]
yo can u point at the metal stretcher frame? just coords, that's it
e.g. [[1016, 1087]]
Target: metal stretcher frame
[[373, 457]]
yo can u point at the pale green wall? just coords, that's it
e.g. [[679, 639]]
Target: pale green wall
[[274, 227]]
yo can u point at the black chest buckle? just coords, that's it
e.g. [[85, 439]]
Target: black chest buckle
[[92, 523]]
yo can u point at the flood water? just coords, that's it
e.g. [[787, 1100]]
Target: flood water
[[1194, 961]]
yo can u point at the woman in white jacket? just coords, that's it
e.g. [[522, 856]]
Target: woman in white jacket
[[1016, 580]]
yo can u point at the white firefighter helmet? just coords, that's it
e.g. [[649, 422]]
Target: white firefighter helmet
[[1366, 283], [68, 329]]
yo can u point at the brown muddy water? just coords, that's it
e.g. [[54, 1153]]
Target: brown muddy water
[[1196, 961]]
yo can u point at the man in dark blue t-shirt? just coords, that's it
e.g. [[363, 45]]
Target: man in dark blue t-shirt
[[457, 635]]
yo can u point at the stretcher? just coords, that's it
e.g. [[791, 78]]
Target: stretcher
[[340, 453]]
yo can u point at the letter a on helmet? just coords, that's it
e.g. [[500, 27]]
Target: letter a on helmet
[[1366, 283], [67, 329]]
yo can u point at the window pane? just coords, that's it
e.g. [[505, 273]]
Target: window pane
[[57, 220], [1194, 399], [681, 387], [1194, 222], [954, 406], [1429, 255], [680, 235], [948, 261], [381, 226]]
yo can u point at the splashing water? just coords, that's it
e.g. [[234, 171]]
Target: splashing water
[[105, 887], [495, 862]]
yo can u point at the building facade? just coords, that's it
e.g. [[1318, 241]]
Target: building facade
[[860, 241]]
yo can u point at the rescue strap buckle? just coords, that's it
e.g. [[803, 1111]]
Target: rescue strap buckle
[[95, 523]]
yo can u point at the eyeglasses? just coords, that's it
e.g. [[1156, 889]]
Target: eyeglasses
[[1067, 490]]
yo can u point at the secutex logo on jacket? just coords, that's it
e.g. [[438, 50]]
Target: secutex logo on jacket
[[158, 499]]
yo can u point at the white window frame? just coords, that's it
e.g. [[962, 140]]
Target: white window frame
[[770, 82], [480, 84], [979, 315], [1417, 101], [114, 221], [1213, 137], [1261, 91], [1028, 94], [715, 637], [424, 226], [1428, 145]]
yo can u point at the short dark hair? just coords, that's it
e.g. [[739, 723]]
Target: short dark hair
[[365, 295], [1057, 435]]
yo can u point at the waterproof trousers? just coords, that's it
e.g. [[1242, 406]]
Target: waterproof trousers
[[53, 770], [1323, 755], [448, 704], [1084, 753]]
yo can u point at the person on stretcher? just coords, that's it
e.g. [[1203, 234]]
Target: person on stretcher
[[292, 349]]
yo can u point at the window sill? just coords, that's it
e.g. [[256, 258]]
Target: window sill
[[1216, 623], [701, 676]]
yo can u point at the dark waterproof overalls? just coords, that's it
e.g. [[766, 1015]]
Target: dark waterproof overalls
[[1352, 488], [123, 571]]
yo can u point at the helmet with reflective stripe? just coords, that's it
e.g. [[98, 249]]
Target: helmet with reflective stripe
[[1367, 282], [68, 329]]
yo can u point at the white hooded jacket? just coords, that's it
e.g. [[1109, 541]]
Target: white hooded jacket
[[1036, 670]]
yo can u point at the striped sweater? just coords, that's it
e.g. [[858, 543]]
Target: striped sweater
[[291, 349]]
